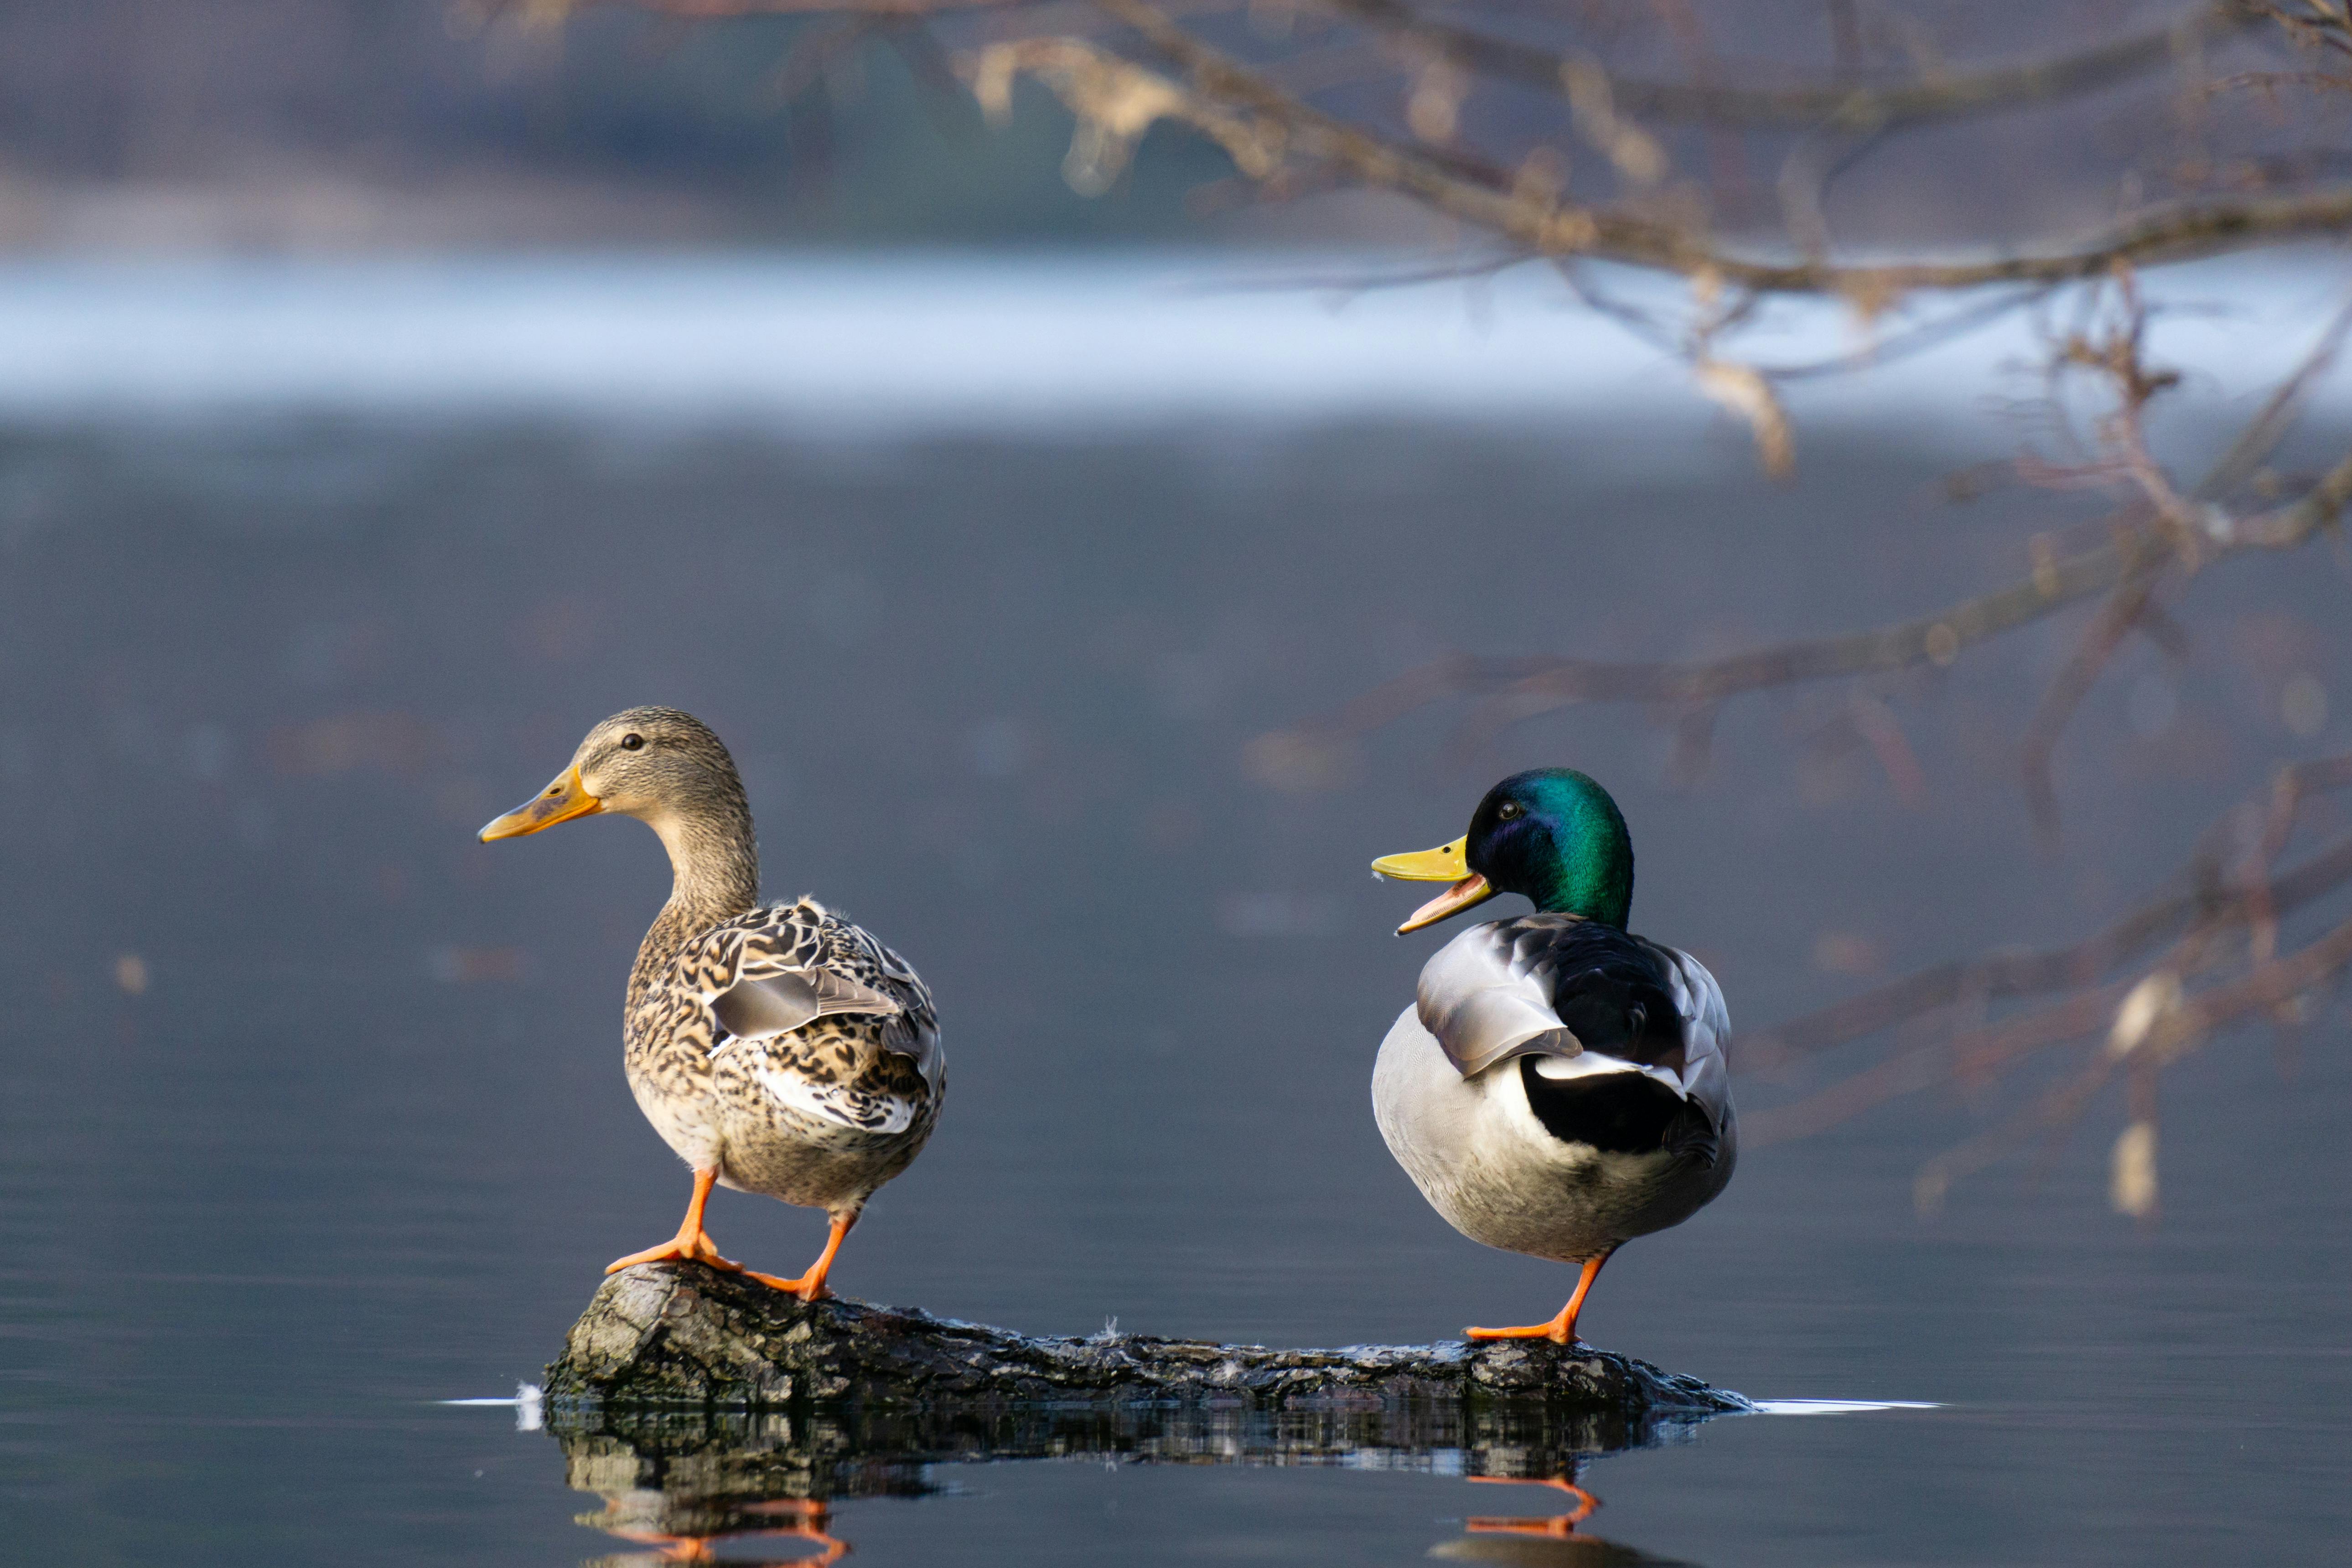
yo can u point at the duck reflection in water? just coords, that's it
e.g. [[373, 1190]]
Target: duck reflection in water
[[1548, 1539], [686, 1484], [686, 1529]]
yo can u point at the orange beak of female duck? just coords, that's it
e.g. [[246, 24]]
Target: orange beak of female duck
[[561, 801]]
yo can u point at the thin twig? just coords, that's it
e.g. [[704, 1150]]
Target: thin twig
[[1843, 108], [2122, 611], [1514, 691], [2200, 898], [1219, 86]]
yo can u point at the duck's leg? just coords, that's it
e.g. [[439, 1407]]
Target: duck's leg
[[809, 1517], [692, 1243], [810, 1286], [1558, 1525], [812, 1518], [674, 1548], [1561, 1331]]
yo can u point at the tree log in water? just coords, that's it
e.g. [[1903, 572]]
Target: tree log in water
[[670, 1335], [689, 1478]]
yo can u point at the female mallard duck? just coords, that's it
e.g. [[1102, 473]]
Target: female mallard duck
[[778, 1048], [1559, 1086]]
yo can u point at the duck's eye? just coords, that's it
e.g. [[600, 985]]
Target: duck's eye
[[632, 743], [1510, 809]]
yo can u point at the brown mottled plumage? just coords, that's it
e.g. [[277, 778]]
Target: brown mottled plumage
[[778, 1048]]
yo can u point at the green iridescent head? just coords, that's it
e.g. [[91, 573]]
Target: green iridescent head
[[1551, 834]]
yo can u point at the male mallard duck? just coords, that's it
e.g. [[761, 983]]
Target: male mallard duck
[[1559, 1086], [778, 1048]]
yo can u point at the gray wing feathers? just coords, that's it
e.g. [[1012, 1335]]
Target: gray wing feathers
[[783, 1000], [1487, 996], [1484, 1005], [916, 1035], [1706, 1033]]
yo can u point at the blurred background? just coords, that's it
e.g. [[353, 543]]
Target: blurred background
[[390, 390], [285, 127]]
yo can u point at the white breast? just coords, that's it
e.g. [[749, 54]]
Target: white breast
[[1484, 1162]]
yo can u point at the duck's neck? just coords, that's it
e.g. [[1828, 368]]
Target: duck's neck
[[714, 866], [1594, 877], [1603, 892]]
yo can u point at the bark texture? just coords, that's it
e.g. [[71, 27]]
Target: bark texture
[[670, 1335]]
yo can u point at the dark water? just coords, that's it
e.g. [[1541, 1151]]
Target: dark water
[[350, 1135]]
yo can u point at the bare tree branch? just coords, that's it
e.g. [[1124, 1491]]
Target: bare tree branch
[[2171, 1023], [1219, 85], [1513, 690], [1839, 108], [1218, 90], [2204, 901], [2122, 611], [729, 10], [2177, 1031]]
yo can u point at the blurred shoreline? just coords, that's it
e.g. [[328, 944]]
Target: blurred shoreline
[[832, 344], [320, 211], [306, 211]]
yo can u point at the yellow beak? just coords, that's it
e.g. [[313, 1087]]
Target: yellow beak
[[1446, 863], [558, 802]]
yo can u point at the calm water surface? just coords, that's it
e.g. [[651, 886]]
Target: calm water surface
[[315, 1114]]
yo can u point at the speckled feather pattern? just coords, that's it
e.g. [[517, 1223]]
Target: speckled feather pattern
[[820, 1116]]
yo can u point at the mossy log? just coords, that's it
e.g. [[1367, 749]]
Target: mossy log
[[682, 1335]]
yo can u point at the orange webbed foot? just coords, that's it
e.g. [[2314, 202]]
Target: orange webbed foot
[[692, 1243], [1561, 1331], [809, 1287], [1553, 1331], [679, 1249]]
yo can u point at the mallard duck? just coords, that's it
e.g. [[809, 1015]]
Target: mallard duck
[[778, 1048], [1559, 1086]]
